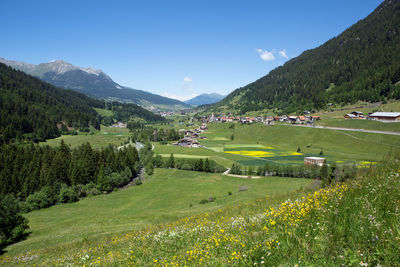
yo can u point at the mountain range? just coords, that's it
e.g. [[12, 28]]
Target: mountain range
[[94, 83], [360, 64], [204, 99]]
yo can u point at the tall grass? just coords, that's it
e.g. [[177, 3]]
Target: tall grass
[[353, 224]]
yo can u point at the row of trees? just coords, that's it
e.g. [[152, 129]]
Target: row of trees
[[151, 134], [327, 173], [199, 165]]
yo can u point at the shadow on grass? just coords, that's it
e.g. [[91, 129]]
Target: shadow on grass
[[22, 237]]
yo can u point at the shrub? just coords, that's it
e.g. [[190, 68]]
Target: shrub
[[203, 201], [80, 190], [138, 182], [150, 168], [90, 189], [186, 167], [229, 193], [67, 195], [12, 224], [45, 198]]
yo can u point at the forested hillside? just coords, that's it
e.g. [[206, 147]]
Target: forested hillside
[[30, 109], [362, 63]]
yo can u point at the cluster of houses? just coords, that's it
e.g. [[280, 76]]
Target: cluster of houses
[[379, 116], [269, 120], [191, 135]]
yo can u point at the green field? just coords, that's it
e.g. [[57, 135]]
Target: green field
[[104, 112], [336, 145], [280, 143], [166, 196], [106, 136], [335, 118], [339, 146], [361, 124]]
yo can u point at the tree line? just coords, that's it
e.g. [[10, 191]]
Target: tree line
[[153, 134], [25, 169], [199, 165], [327, 173]]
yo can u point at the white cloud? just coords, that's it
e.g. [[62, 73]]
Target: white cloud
[[179, 97], [187, 79], [282, 53], [266, 55]]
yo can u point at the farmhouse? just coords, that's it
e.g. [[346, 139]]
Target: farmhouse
[[385, 116], [354, 115], [188, 142], [314, 161]]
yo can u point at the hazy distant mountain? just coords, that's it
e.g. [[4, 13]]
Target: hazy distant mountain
[[205, 99], [94, 83]]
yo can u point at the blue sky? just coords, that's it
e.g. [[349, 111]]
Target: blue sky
[[174, 48]]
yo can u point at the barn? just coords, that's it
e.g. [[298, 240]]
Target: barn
[[314, 161], [385, 116]]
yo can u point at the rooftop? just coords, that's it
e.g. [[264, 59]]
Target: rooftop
[[385, 114]]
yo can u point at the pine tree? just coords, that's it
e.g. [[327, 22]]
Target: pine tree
[[171, 161], [103, 181]]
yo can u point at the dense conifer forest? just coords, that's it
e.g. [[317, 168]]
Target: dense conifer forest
[[26, 169], [362, 63]]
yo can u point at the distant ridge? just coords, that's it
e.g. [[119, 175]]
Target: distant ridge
[[94, 83], [204, 99]]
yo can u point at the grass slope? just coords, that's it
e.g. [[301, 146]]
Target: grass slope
[[335, 117], [353, 223], [163, 198], [102, 138]]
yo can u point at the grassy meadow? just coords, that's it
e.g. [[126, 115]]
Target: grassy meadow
[[102, 138], [335, 118], [325, 227], [166, 196]]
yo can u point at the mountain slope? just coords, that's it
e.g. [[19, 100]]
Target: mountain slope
[[92, 82], [30, 108], [204, 99], [362, 63]]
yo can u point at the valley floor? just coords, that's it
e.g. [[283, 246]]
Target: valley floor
[[165, 197]]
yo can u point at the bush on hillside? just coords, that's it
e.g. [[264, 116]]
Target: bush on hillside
[[12, 224], [67, 195], [45, 198]]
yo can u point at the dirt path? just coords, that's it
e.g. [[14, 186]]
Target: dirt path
[[226, 173]]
